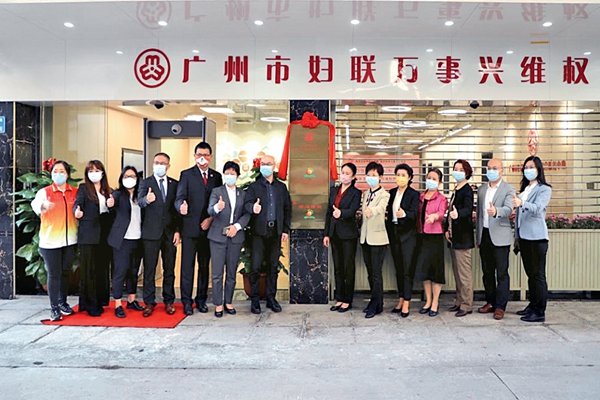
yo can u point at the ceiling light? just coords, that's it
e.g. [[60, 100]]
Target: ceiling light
[[256, 105], [274, 51], [449, 23], [119, 52], [163, 23], [452, 111], [582, 110], [194, 117], [587, 53], [381, 134], [396, 108], [414, 123], [423, 146], [414, 141], [355, 22], [69, 25], [353, 50], [383, 146], [346, 108], [258, 22], [467, 126], [372, 141], [429, 50], [195, 51], [273, 119], [547, 24], [509, 52], [218, 110]]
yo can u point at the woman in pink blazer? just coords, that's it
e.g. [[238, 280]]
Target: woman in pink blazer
[[429, 267]]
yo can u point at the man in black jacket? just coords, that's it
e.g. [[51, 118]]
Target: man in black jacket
[[268, 200], [160, 232], [193, 192]]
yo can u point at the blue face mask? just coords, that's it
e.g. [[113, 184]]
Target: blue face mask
[[266, 170], [59, 178], [492, 175], [459, 176], [372, 181], [229, 179], [159, 170], [530, 173], [430, 184]]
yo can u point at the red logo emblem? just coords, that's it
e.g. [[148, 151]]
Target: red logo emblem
[[152, 68], [308, 137]]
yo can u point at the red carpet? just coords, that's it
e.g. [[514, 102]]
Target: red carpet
[[134, 319]]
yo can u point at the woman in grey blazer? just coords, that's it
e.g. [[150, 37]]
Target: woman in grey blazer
[[226, 236], [531, 234]]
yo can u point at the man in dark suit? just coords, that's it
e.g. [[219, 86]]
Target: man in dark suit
[[268, 200], [160, 232], [193, 191]]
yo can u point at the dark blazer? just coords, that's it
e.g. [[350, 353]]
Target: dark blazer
[[462, 227], [221, 220], [160, 216], [88, 231], [258, 190], [408, 224], [191, 189], [122, 211], [345, 226]]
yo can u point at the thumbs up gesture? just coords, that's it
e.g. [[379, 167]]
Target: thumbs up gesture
[[110, 202], [47, 205], [183, 208], [454, 213], [336, 212], [220, 203], [150, 197], [491, 210], [400, 213], [516, 201], [78, 213], [257, 207]]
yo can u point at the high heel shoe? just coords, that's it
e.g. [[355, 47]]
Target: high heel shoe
[[433, 313], [424, 310], [335, 308], [404, 314], [342, 309]]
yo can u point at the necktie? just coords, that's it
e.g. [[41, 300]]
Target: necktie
[[204, 178], [162, 189]]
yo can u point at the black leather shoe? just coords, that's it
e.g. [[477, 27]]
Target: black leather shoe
[[462, 313], [433, 313], [188, 309], [424, 310], [255, 308], [119, 312], [342, 309], [404, 314], [273, 305], [370, 314], [454, 308], [334, 308], [218, 314], [202, 307], [230, 311], [533, 317], [134, 305], [525, 311]]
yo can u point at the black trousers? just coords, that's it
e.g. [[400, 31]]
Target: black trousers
[[373, 257], [343, 252], [58, 264], [94, 284], [494, 264], [533, 254], [192, 250], [127, 263], [265, 249], [403, 253], [168, 252]]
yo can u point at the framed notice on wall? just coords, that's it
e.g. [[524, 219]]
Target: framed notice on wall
[[134, 158]]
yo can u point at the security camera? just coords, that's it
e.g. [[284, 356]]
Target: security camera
[[474, 104], [176, 129], [158, 104]]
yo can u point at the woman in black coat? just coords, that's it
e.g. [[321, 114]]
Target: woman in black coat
[[458, 227], [92, 210], [401, 224], [125, 240], [341, 233]]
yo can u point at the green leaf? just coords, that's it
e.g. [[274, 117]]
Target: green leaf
[[27, 251], [30, 227], [32, 268]]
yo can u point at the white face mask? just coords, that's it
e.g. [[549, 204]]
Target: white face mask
[[95, 176], [129, 182], [201, 161]]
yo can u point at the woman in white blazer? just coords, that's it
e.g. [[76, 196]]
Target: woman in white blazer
[[373, 235], [531, 234]]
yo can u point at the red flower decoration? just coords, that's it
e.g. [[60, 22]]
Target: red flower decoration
[[48, 164], [256, 163]]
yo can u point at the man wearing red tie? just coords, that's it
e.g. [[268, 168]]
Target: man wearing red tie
[[193, 192]]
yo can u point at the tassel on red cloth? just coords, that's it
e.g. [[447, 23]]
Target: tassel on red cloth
[[309, 120]]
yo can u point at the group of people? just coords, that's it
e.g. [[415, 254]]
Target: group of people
[[114, 230], [417, 226]]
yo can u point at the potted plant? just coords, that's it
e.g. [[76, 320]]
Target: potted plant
[[29, 222], [246, 254]]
